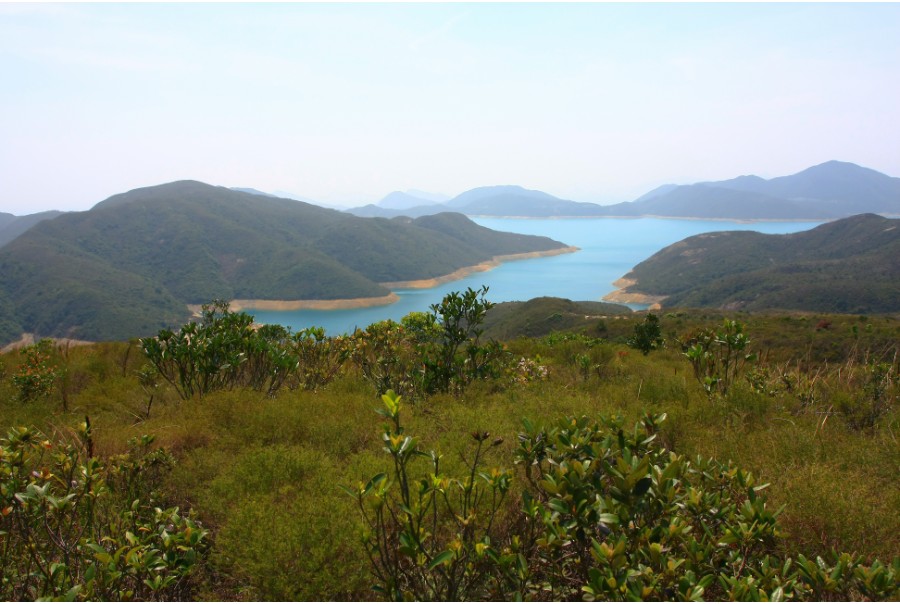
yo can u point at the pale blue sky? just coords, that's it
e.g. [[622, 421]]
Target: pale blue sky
[[344, 103]]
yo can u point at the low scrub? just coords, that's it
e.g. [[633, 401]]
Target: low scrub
[[77, 527], [595, 496]]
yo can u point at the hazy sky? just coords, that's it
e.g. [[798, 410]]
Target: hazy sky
[[344, 103]]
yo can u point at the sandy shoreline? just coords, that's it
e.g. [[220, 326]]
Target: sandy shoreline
[[282, 305], [478, 268], [623, 296]]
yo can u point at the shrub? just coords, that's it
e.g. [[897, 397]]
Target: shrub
[[455, 357], [429, 536], [606, 514], [73, 526], [387, 359], [427, 353], [320, 358], [647, 335], [35, 376], [718, 357], [222, 352]]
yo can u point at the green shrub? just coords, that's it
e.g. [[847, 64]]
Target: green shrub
[[387, 359], [647, 335], [606, 514], [429, 536], [75, 527], [718, 357], [873, 399], [222, 352], [35, 376], [455, 356], [320, 357]]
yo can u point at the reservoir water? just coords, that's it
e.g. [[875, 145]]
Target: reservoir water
[[610, 247]]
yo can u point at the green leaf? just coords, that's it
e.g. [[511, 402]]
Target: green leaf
[[442, 558], [374, 482]]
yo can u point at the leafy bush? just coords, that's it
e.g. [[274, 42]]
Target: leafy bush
[[426, 353], [319, 358], [387, 358], [35, 376], [222, 352], [75, 527], [647, 335], [875, 397], [606, 514], [429, 537], [718, 357], [455, 356]]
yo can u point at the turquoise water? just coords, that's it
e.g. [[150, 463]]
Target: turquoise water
[[610, 247]]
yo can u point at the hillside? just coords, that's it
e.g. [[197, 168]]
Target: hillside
[[12, 226], [849, 265], [542, 316], [132, 263]]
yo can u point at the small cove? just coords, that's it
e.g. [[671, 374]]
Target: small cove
[[609, 248]]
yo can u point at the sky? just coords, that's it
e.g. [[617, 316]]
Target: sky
[[344, 103]]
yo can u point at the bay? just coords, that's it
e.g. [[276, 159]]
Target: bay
[[609, 248]]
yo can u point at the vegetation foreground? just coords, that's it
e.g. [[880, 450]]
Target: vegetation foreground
[[687, 456]]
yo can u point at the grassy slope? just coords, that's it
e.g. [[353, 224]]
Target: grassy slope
[[248, 463]]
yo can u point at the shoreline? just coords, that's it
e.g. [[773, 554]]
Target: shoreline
[[352, 303], [623, 296], [477, 268], [239, 305]]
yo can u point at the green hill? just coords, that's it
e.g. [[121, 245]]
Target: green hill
[[12, 226], [849, 265], [132, 263], [541, 316]]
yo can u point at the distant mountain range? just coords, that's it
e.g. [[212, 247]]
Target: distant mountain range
[[502, 200], [850, 265], [827, 191], [824, 192], [133, 263], [830, 190]]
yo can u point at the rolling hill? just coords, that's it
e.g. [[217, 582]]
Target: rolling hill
[[539, 317], [133, 263], [849, 265]]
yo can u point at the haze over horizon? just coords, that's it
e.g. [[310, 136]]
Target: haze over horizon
[[345, 103]]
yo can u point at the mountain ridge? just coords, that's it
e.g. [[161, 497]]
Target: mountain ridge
[[831, 190]]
